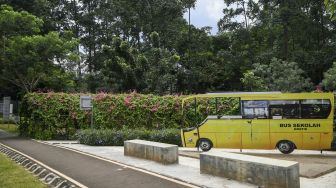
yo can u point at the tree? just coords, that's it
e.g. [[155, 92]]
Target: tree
[[28, 58], [125, 68], [329, 81], [148, 46], [252, 82], [235, 9], [331, 6], [277, 76], [300, 31]]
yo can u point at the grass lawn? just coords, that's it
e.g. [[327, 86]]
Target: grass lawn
[[12, 128], [14, 176]]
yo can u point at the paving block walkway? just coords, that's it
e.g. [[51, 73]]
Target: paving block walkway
[[188, 168]]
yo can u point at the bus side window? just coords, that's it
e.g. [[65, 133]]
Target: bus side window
[[287, 109], [255, 109], [315, 108]]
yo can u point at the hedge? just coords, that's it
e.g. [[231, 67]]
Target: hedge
[[58, 116], [110, 137]]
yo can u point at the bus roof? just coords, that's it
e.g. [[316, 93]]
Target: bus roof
[[264, 95], [243, 93]]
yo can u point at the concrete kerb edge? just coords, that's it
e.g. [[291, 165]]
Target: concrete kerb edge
[[320, 174], [38, 163], [163, 176]]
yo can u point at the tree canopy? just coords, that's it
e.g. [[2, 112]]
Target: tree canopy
[[147, 46], [28, 58]]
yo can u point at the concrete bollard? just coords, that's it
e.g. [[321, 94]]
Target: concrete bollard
[[160, 152], [261, 171]]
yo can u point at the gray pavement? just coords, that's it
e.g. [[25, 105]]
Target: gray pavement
[[188, 168], [87, 170], [312, 163]]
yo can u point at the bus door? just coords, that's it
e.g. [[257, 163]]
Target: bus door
[[255, 129]]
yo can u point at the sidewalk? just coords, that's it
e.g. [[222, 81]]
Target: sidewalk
[[188, 168]]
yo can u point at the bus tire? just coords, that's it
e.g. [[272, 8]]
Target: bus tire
[[205, 144], [285, 146]]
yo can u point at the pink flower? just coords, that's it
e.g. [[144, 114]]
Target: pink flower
[[100, 96], [154, 109], [128, 100]]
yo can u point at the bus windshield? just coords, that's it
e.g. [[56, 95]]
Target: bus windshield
[[195, 110]]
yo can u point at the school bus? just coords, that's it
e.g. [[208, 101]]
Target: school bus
[[267, 120]]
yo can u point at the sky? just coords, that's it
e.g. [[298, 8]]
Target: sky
[[207, 13]]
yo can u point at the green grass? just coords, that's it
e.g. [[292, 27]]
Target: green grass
[[12, 128], [14, 176]]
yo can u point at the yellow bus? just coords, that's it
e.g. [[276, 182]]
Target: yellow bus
[[267, 120]]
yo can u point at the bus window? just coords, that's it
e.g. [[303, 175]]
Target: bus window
[[315, 108], [254, 109], [286, 109]]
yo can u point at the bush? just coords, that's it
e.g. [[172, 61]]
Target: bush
[[58, 116], [110, 137]]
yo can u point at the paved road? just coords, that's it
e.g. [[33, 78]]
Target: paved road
[[87, 170]]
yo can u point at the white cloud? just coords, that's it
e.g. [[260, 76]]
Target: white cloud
[[214, 8], [207, 13]]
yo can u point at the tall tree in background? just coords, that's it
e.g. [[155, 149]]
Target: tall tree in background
[[148, 46], [29, 59], [299, 31], [277, 76]]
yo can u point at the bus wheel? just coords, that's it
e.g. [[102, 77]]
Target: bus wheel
[[205, 144], [286, 147]]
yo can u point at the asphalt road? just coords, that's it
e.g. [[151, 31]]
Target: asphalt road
[[87, 170]]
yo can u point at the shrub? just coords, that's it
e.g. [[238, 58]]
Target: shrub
[[58, 116], [110, 137]]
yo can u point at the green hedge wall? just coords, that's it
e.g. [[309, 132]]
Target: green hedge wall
[[58, 116], [111, 137]]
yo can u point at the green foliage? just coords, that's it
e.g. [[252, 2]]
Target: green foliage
[[149, 47], [8, 127], [125, 68], [57, 115], [279, 76], [252, 82], [331, 7], [329, 81], [14, 23], [30, 59], [110, 137]]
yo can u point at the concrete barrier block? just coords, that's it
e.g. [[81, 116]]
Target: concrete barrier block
[[160, 152], [261, 171]]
